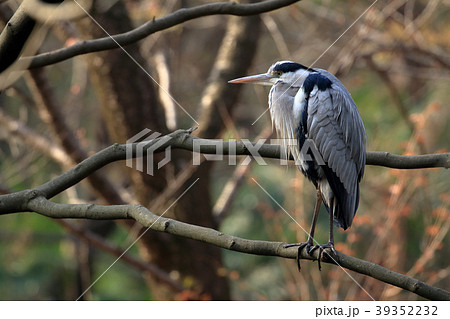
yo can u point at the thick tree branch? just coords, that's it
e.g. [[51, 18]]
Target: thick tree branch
[[36, 200], [41, 205], [180, 16], [14, 36], [408, 161], [181, 139], [185, 141]]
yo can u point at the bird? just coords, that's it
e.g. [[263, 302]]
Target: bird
[[311, 107]]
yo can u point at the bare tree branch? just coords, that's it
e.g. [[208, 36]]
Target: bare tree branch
[[14, 36], [16, 128], [181, 139], [180, 16], [408, 161], [36, 202]]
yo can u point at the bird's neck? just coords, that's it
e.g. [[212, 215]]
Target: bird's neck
[[285, 121]]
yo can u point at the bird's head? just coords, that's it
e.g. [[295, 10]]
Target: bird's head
[[282, 71]]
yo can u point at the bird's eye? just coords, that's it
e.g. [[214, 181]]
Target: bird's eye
[[277, 73]]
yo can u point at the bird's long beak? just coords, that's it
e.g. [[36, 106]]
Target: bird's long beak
[[263, 79]]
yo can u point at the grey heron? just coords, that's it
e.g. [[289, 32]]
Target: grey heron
[[312, 105]]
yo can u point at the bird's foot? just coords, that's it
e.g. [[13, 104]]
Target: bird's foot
[[327, 248], [308, 245]]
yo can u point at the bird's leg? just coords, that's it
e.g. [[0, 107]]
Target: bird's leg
[[309, 242], [331, 235], [330, 244]]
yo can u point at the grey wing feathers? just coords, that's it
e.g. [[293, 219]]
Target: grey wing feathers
[[350, 122], [336, 128]]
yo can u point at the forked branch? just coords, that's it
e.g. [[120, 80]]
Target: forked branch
[[36, 200]]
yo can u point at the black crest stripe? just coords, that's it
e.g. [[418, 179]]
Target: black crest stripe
[[289, 67]]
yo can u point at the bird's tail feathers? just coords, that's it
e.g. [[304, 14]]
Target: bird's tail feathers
[[345, 204], [345, 210]]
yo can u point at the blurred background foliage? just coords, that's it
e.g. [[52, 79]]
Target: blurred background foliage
[[394, 60]]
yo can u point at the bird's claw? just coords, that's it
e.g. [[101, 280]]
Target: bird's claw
[[301, 246], [322, 248], [310, 251]]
